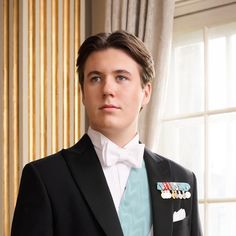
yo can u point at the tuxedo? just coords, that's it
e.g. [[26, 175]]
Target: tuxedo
[[67, 194]]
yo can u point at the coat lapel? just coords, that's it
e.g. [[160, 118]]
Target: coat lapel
[[87, 172], [158, 170]]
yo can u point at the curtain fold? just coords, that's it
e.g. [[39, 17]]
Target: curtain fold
[[40, 94], [152, 21]]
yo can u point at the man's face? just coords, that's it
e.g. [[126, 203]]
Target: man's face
[[112, 92]]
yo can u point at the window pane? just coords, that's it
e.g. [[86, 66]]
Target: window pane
[[185, 90], [183, 142], [222, 153], [222, 69], [222, 219]]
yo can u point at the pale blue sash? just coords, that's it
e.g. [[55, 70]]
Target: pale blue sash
[[135, 209]]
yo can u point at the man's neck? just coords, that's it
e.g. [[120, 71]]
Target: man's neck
[[119, 138]]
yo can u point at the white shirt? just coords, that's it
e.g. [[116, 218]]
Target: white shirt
[[116, 175]]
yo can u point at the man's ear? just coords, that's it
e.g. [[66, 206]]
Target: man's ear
[[147, 90]]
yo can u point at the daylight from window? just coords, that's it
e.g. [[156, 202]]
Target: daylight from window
[[198, 126]]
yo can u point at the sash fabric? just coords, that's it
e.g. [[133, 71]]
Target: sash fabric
[[135, 211]]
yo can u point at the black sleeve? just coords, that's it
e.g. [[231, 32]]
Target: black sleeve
[[33, 214]]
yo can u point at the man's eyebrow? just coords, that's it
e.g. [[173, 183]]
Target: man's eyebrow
[[119, 71], [94, 72], [122, 72]]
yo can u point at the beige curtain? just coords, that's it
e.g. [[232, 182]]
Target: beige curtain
[[39, 92], [152, 21]]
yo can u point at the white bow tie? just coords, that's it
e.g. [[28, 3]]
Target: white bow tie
[[132, 156]]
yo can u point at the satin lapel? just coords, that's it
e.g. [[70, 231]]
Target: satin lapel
[[87, 172], [158, 170]]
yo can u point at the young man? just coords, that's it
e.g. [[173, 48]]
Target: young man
[[109, 183]]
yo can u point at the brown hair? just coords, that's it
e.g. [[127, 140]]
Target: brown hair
[[122, 40]]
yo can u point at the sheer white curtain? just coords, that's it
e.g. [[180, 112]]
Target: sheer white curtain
[[152, 21]]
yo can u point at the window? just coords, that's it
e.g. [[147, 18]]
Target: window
[[198, 128]]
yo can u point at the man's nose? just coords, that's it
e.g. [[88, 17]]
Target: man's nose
[[109, 86]]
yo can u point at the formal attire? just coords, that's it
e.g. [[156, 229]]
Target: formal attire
[[71, 193]]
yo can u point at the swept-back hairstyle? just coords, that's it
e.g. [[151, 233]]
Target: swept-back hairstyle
[[122, 40]]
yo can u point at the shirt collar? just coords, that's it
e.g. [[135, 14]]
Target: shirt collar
[[98, 139], [134, 148]]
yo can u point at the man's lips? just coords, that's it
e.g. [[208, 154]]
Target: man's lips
[[109, 106]]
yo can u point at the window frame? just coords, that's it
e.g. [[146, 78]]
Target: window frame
[[202, 17]]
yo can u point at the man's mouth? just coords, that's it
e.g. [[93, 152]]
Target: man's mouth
[[109, 106]]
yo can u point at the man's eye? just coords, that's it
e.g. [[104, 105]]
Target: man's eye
[[95, 79], [121, 78]]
